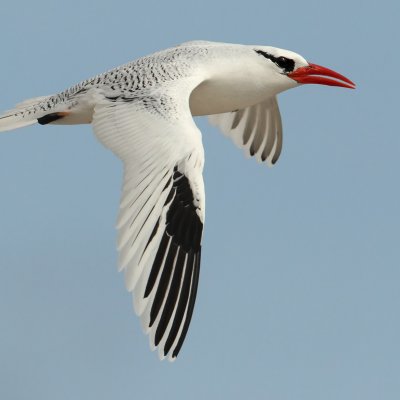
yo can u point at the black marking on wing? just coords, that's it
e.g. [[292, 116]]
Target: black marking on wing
[[176, 264], [156, 265], [237, 118], [163, 282], [182, 303], [183, 222], [123, 98], [190, 308], [260, 134], [172, 296], [47, 119], [250, 124]]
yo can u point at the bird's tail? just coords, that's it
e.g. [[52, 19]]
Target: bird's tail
[[26, 113]]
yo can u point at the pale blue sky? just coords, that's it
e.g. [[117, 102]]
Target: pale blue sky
[[299, 289]]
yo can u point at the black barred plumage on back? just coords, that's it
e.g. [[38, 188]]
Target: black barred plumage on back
[[178, 262]]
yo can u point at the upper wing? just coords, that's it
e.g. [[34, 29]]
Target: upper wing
[[256, 129], [162, 209]]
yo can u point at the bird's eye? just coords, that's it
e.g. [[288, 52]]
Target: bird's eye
[[286, 63]]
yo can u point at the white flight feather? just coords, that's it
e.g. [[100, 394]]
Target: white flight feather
[[146, 121], [267, 123], [150, 146]]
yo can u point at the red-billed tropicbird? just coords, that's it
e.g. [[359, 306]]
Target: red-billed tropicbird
[[142, 111]]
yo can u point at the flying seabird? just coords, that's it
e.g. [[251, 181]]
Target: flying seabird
[[142, 111]]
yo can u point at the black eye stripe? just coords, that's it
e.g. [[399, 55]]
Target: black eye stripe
[[287, 64]]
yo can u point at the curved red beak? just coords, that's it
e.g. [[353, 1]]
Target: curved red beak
[[314, 73]]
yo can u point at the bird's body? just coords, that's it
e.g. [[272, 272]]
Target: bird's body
[[225, 84], [143, 111]]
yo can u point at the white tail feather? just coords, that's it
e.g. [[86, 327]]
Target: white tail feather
[[10, 122], [30, 102], [17, 117]]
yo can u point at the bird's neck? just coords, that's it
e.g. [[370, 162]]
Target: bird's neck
[[230, 83]]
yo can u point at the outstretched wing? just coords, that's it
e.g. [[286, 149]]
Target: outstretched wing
[[161, 214], [256, 129]]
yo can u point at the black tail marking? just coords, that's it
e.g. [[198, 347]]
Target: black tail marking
[[50, 118]]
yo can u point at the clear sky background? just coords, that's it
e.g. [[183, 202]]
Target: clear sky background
[[299, 291]]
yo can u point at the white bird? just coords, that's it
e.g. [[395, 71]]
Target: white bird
[[142, 111]]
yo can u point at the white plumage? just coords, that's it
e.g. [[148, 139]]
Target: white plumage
[[142, 111]]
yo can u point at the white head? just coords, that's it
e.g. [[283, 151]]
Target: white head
[[242, 75], [287, 69]]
